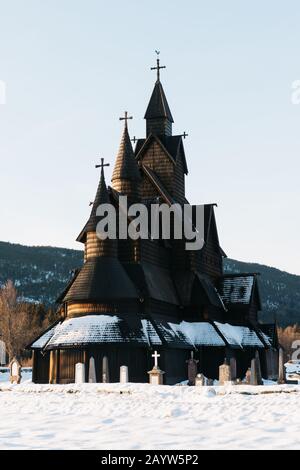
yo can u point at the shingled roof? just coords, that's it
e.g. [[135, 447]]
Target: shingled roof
[[126, 166], [101, 279], [172, 145], [237, 288], [239, 336], [158, 106], [102, 197]]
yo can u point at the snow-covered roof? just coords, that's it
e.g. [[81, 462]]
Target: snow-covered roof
[[95, 329], [198, 333], [239, 336], [150, 333], [121, 328], [41, 342]]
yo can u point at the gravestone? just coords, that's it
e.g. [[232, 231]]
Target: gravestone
[[224, 374], [123, 375], [281, 371], [15, 371], [255, 371], [233, 368], [192, 369], [259, 376], [79, 373], [156, 374], [105, 370], [200, 380], [92, 371]]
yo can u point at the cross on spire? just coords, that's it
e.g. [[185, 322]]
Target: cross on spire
[[102, 164], [125, 118], [156, 356], [158, 67], [134, 139], [184, 135]]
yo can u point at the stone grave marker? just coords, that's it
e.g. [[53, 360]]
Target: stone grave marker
[[233, 368], [224, 374], [15, 371], [281, 370], [255, 372], [79, 373], [259, 375], [105, 370], [248, 376], [92, 371], [192, 369], [123, 375], [200, 380]]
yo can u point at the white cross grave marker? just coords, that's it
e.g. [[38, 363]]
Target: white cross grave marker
[[156, 356]]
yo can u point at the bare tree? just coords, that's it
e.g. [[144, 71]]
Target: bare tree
[[18, 323]]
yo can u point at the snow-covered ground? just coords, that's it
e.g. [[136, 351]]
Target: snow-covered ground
[[142, 416]]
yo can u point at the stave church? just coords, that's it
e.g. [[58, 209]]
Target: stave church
[[133, 297]]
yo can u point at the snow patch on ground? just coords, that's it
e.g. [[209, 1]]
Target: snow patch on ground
[[143, 416]]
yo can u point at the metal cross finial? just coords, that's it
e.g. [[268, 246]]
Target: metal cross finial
[[125, 118], [102, 164], [184, 135], [158, 67], [134, 140], [156, 356]]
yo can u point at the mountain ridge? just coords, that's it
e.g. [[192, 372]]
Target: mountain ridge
[[40, 273]]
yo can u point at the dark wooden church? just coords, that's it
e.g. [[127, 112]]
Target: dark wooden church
[[132, 297]]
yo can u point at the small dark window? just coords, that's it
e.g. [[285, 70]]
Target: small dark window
[[242, 291]]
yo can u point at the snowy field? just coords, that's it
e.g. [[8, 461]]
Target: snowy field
[[141, 416]]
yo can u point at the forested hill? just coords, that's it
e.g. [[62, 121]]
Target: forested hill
[[40, 274]]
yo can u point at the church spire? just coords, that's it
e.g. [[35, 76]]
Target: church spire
[[126, 172], [102, 197], [158, 115]]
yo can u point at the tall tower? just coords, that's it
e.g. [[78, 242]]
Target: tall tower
[[158, 115]]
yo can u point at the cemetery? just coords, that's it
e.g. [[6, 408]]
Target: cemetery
[[128, 415]]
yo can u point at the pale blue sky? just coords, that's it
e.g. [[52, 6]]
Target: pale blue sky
[[72, 67]]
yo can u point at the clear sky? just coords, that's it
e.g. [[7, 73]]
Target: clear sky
[[72, 67]]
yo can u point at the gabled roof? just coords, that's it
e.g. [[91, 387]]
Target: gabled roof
[[100, 279], [239, 288], [172, 146], [157, 183], [185, 281], [153, 281], [126, 166], [158, 106]]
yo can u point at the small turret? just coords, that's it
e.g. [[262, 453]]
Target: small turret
[[126, 175]]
